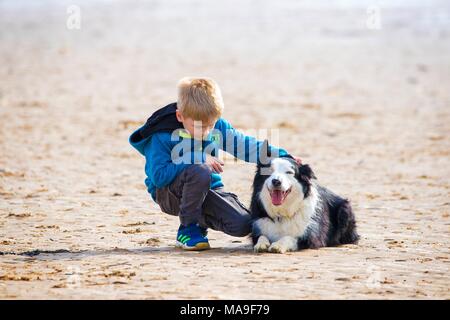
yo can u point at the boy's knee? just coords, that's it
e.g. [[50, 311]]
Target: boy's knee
[[241, 227], [200, 173]]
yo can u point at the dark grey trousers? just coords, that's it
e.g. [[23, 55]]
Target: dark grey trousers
[[189, 196]]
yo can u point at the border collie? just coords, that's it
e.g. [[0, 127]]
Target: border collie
[[291, 211]]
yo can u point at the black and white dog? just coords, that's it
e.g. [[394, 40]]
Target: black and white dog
[[291, 211]]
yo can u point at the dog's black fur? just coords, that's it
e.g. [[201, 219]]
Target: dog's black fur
[[334, 218]]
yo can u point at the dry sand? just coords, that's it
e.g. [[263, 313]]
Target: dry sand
[[368, 109]]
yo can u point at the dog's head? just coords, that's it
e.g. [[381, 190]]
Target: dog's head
[[283, 184]]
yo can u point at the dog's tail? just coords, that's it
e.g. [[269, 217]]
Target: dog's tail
[[347, 224]]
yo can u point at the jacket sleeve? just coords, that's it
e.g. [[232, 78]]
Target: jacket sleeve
[[241, 146], [159, 166]]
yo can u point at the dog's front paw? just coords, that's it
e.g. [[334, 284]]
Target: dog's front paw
[[278, 247], [283, 245], [262, 245]]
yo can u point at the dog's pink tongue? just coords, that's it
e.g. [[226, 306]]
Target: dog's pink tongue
[[277, 197]]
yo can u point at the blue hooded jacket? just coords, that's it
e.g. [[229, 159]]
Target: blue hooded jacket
[[168, 148]]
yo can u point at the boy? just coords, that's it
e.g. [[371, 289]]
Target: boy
[[180, 143]]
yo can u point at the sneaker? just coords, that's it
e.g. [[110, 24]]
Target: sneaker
[[204, 231], [192, 237]]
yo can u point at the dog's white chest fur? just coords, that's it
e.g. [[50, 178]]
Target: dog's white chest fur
[[294, 226]]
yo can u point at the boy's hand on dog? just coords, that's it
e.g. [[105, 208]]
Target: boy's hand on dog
[[297, 159], [214, 163]]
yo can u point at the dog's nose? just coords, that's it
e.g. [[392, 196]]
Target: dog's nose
[[276, 182]]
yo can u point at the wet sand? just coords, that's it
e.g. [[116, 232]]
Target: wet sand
[[369, 110]]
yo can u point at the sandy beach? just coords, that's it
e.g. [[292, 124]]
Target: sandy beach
[[366, 105]]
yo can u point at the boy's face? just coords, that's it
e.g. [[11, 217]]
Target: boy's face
[[196, 128]]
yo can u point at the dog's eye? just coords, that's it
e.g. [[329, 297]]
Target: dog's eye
[[289, 172]]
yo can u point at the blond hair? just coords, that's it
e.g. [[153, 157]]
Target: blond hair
[[199, 99]]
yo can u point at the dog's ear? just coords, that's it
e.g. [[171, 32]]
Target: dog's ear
[[305, 172]]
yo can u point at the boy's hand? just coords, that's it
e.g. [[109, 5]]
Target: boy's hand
[[214, 163], [297, 159]]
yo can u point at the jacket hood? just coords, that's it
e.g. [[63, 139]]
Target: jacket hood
[[162, 120]]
